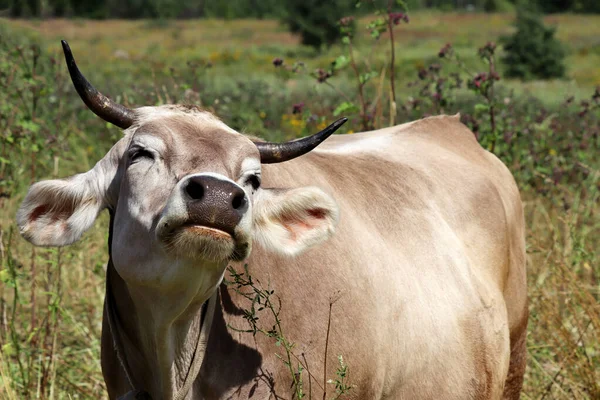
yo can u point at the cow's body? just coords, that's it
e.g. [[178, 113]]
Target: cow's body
[[426, 268]]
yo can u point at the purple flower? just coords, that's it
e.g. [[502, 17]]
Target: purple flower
[[435, 67], [479, 79], [596, 95], [488, 50], [346, 21], [445, 51], [278, 62], [323, 75], [397, 17], [297, 108]]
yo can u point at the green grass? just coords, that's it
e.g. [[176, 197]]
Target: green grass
[[247, 47], [51, 300]]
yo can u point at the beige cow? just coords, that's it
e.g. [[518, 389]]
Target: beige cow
[[415, 229]]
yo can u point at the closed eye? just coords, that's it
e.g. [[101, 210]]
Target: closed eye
[[253, 180], [139, 153]]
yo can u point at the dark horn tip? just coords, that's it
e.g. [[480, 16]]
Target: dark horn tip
[[271, 153], [101, 105], [325, 133], [335, 126], [66, 48], [341, 121]]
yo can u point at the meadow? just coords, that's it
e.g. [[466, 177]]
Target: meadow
[[259, 80]]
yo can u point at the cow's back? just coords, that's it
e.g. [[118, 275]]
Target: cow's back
[[428, 246]]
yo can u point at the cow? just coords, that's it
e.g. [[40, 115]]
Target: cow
[[401, 250]]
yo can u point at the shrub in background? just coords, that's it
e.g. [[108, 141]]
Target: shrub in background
[[316, 21], [491, 6], [533, 51]]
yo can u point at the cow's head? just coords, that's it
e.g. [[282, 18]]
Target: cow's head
[[185, 192]]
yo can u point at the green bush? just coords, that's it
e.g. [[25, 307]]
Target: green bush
[[316, 21], [492, 6], [533, 51]]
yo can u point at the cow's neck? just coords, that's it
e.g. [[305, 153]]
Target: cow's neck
[[157, 349], [157, 333]]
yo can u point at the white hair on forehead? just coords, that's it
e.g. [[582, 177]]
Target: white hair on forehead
[[195, 114]]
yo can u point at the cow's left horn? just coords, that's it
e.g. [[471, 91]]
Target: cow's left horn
[[271, 153], [101, 105]]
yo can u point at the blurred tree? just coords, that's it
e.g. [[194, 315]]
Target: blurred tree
[[555, 6], [532, 51], [491, 6], [35, 7], [58, 8], [191, 9], [316, 21], [25, 8], [16, 8], [244, 9], [88, 8], [131, 8], [307, 18]]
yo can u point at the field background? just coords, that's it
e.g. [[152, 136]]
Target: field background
[[51, 299]]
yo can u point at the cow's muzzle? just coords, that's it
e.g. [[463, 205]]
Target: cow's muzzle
[[214, 203], [206, 217]]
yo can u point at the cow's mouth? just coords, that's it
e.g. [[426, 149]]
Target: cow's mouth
[[195, 240], [213, 233]]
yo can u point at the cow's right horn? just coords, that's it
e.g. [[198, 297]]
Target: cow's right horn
[[101, 105], [271, 153]]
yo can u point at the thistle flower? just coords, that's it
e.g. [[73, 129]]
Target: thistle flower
[[297, 108], [445, 51], [487, 50], [323, 75], [398, 17], [346, 21]]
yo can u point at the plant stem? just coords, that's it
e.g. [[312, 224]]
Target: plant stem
[[363, 106], [14, 337], [490, 99], [51, 367], [392, 62], [33, 266], [338, 91], [325, 356]]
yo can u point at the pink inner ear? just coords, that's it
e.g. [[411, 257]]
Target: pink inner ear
[[318, 213], [58, 212], [38, 212], [295, 225]]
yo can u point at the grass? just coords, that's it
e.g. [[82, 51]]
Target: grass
[[51, 299], [140, 48]]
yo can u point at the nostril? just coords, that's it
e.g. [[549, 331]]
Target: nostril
[[238, 201], [194, 190]]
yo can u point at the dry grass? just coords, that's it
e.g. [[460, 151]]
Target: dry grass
[[563, 275]]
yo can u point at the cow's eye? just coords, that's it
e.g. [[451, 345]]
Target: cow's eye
[[138, 154], [253, 180]]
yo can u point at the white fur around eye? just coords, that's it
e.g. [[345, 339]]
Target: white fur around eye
[[290, 221]]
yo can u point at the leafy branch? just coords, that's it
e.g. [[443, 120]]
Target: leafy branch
[[262, 299]]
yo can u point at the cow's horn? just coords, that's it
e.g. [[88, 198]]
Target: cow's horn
[[101, 105], [271, 153]]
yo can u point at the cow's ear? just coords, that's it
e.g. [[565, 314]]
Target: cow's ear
[[57, 212], [291, 220]]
